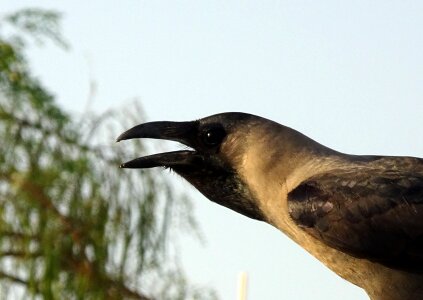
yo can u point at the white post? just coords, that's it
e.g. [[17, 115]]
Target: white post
[[242, 286]]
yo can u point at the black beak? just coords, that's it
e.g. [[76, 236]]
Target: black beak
[[174, 131], [182, 132]]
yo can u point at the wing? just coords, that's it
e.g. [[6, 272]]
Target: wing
[[372, 214]]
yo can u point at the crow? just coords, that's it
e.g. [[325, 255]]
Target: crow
[[361, 215]]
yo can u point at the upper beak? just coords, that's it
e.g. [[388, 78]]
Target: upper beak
[[183, 132], [173, 131]]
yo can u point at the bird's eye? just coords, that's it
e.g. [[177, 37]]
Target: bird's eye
[[213, 136]]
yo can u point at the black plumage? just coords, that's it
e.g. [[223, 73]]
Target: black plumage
[[369, 211]]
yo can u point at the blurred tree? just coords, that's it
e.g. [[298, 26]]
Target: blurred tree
[[72, 224]]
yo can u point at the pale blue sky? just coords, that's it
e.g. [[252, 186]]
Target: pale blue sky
[[348, 74]]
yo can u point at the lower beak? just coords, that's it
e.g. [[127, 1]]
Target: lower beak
[[168, 159]]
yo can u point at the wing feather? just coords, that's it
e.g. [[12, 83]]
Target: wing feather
[[375, 214]]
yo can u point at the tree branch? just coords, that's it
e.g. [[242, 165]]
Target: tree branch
[[13, 279], [20, 254]]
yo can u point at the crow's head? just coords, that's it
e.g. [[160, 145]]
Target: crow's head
[[233, 156], [218, 145]]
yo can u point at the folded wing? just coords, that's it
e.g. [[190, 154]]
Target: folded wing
[[375, 214]]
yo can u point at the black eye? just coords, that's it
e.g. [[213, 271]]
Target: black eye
[[213, 135]]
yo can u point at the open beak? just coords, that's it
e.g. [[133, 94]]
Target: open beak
[[182, 132]]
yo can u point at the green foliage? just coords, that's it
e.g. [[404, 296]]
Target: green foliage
[[38, 24], [72, 224]]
